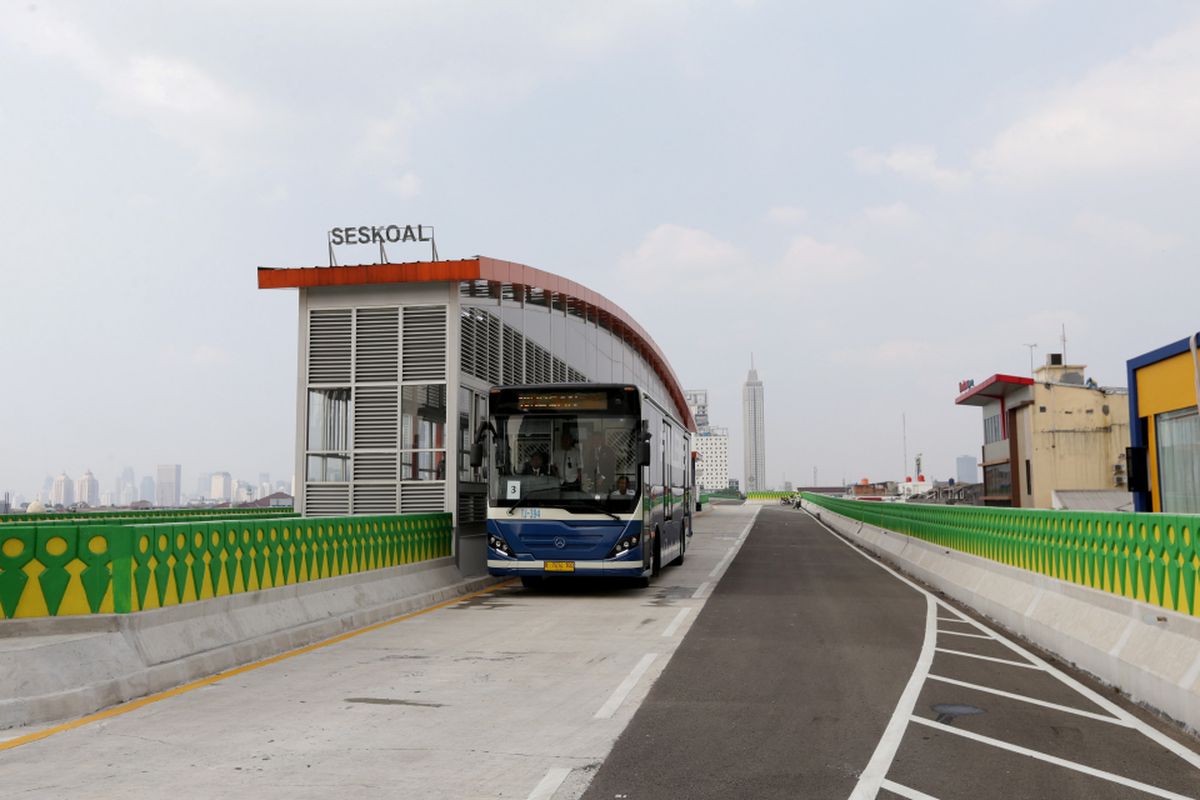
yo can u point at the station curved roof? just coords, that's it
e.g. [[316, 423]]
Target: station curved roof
[[494, 271]]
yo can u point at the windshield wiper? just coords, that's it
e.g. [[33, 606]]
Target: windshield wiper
[[594, 504], [601, 507], [531, 493]]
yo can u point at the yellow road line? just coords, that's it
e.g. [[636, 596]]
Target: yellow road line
[[134, 705]]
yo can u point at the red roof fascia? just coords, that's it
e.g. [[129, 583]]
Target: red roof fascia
[[489, 269], [998, 378]]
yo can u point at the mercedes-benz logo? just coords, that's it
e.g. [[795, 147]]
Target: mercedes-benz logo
[[560, 542]]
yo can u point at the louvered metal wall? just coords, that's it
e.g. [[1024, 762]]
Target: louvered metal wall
[[499, 354], [329, 344], [373, 351]]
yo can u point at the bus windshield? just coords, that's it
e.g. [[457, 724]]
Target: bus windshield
[[579, 462]]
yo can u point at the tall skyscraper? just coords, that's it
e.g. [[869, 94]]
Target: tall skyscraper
[[147, 491], [754, 432], [222, 487], [62, 493], [167, 492], [967, 469], [87, 489]]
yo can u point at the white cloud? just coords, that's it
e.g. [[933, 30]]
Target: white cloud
[[179, 99], [672, 256], [809, 261], [1140, 112], [787, 215], [207, 355], [895, 215], [1124, 234], [918, 163], [406, 185]]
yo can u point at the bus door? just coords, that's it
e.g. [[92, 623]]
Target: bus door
[[668, 484]]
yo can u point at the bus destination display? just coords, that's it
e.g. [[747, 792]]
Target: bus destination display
[[566, 401]]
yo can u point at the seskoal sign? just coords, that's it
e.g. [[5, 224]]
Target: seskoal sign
[[381, 234]]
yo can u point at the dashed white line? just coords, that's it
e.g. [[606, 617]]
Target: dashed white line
[[967, 635], [701, 591], [1008, 661], [621, 692], [1061, 762], [549, 784], [904, 791], [675, 623], [881, 760], [723, 562], [1033, 700], [1153, 734]]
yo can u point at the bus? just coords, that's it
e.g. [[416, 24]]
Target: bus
[[584, 479]]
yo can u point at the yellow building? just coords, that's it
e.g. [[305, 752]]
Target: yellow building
[[1055, 432], [1164, 392]]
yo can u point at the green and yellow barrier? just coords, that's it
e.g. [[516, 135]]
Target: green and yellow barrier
[[118, 567], [1154, 558], [768, 495]]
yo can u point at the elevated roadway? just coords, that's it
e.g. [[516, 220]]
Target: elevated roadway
[[777, 661]]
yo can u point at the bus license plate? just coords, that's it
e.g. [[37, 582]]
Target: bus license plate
[[560, 566]]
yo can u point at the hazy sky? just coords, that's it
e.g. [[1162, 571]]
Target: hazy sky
[[878, 199]]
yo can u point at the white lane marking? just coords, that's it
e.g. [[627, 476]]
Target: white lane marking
[[723, 562], [904, 791], [950, 619], [549, 784], [675, 623], [1158, 737], [1061, 762], [967, 635], [885, 752], [1010, 662], [621, 692], [1026, 699], [700, 591]]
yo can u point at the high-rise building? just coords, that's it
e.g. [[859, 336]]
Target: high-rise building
[[754, 432], [711, 444], [147, 492], [712, 467], [128, 494], [203, 484], [221, 489], [967, 469], [87, 489], [697, 400], [167, 492], [62, 493]]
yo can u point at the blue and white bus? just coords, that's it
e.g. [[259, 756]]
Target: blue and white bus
[[584, 479]]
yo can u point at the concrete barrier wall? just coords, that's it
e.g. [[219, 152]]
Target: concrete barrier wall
[[55, 668], [1146, 651]]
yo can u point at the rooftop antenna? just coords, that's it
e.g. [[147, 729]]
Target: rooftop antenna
[[1031, 347], [1064, 344]]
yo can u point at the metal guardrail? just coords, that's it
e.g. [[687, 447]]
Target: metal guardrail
[[768, 495], [1154, 558], [122, 567]]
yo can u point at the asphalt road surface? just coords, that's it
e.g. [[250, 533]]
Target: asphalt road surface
[[789, 683]]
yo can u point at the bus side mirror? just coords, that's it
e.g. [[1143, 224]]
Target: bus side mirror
[[644, 445], [477, 447]]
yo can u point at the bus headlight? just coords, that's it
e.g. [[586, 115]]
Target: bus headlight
[[624, 546], [496, 543]]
